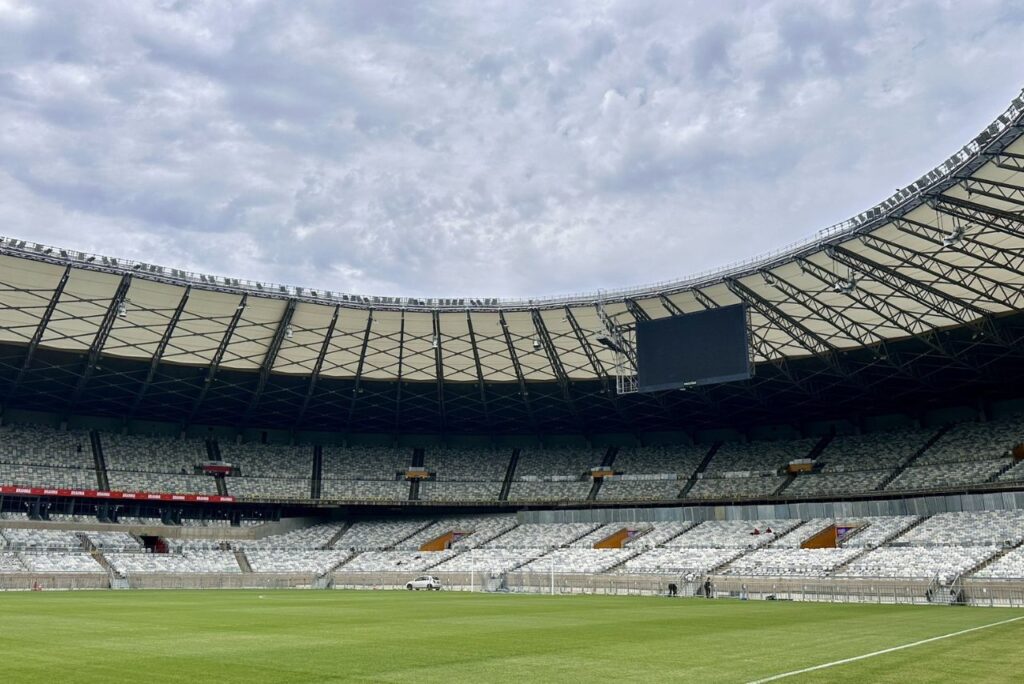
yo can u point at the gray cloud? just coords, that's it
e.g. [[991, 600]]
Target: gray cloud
[[452, 148]]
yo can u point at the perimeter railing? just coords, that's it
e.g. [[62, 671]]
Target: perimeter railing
[[905, 591]]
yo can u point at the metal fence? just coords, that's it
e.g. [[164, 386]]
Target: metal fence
[[909, 591]]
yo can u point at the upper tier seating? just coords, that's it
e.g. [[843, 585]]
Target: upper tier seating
[[763, 457], [623, 489], [458, 491], [33, 455], [872, 450], [679, 460], [1014, 474], [138, 463], [837, 483], [468, 465], [566, 462], [943, 475], [269, 470], [365, 473], [549, 491], [748, 469], [976, 442]]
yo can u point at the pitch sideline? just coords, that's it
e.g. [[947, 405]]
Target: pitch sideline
[[883, 651]]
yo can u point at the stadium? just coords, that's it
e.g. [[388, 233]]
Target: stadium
[[272, 472]]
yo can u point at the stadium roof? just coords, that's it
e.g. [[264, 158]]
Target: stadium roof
[[944, 253]]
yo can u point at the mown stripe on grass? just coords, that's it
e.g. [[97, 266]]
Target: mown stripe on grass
[[882, 652]]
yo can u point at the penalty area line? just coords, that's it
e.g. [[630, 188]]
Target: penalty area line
[[883, 651]]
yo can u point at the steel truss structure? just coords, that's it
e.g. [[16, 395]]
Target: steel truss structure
[[917, 299]]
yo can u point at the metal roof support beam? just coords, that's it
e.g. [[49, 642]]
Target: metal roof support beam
[[98, 342], [898, 318], [267, 365], [37, 336], [803, 336], [556, 364], [807, 339], [359, 370], [317, 366], [988, 255], [638, 312], [855, 330], [211, 372], [1005, 221], [594, 361], [523, 392], [479, 369], [161, 347], [944, 271], [944, 304], [859, 331], [979, 223], [439, 370], [1009, 161], [398, 380], [670, 305], [1005, 192]]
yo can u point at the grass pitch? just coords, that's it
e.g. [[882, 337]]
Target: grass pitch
[[422, 637]]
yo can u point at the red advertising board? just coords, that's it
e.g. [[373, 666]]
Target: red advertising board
[[129, 496]]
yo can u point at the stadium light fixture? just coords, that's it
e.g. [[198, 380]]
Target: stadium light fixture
[[434, 342], [122, 309], [954, 239], [288, 333], [845, 286], [536, 345], [607, 341]]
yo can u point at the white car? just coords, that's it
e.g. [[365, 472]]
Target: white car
[[427, 582]]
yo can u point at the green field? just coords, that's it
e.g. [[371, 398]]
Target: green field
[[331, 636]]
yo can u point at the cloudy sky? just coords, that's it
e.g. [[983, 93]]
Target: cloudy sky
[[478, 148]]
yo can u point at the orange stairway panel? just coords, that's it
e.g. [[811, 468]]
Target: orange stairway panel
[[444, 541], [616, 540], [828, 538]]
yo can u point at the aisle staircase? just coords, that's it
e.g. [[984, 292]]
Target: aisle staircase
[[913, 457], [700, 470], [242, 560], [510, 473], [99, 461]]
